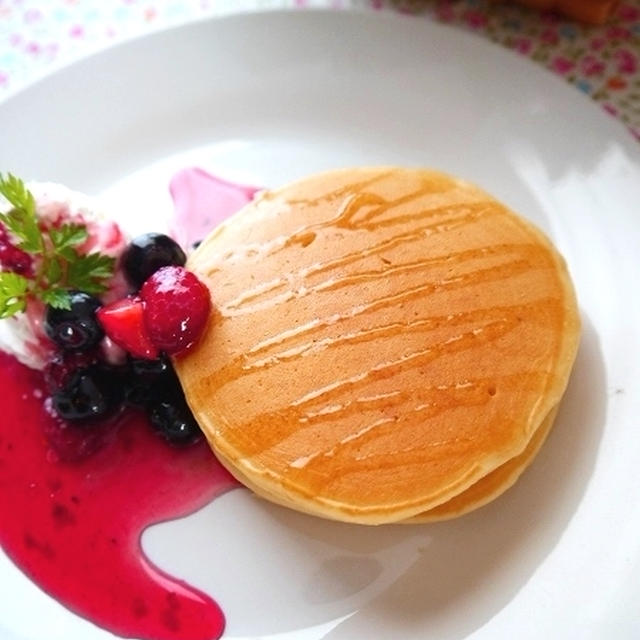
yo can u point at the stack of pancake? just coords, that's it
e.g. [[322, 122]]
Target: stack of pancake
[[387, 345]]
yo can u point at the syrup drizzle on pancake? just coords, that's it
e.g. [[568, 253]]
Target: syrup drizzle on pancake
[[359, 294]]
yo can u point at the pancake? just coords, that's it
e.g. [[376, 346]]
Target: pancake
[[382, 339], [493, 484]]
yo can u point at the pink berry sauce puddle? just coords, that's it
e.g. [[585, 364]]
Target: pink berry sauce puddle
[[74, 527], [201, 201]]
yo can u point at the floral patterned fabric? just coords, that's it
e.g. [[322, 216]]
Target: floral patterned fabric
[[601, 61]]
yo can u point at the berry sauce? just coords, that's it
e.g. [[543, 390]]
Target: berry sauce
[[201, 201], [74, 527]]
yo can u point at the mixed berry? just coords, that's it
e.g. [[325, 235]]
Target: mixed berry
[[164, 318], [102, 357], [176, 308], [76, 328], [147, 253]]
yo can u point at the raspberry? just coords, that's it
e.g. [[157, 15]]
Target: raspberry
[[123, 322], [176, 308]]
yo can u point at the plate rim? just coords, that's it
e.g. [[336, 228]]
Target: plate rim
[[50, 76]]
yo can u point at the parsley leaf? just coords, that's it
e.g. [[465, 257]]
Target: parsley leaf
[[57, 298], [15, 191], [85, 272], [21, 220], [59, 266], [13, 293], [67, 236]]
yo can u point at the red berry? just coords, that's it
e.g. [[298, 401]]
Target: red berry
[[4, 236], [176, 308], [12, 258], [123, 322]]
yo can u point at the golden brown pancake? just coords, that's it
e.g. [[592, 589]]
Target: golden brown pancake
[[382, 340], [493, 484]]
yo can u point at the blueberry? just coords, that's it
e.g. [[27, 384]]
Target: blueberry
[[146, 378], [147, 253], [169, 412], [172, 418], [89, 394], [75, 329], [63, 364], [150, 370], [152, 385]]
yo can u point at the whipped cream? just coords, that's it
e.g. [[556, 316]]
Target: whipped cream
[[23, 335]]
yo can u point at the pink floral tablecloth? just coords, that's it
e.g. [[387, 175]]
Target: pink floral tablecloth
[[601, 61]]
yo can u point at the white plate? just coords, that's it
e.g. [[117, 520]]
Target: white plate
[[268, 98]]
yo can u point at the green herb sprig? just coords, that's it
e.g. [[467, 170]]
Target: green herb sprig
[[59, 267]]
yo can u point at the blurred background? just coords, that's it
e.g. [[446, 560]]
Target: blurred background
[[593, 44]]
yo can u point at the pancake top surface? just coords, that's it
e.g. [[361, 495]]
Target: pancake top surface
[[381, 339]]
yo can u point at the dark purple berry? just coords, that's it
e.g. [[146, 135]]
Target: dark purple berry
[[62, 365], [172, 418], [153, 385], [148, 253], [75, 329], [169, 412], [151, 371], [89, 394], [145, 378]]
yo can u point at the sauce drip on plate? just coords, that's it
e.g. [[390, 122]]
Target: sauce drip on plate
[[75, 528]]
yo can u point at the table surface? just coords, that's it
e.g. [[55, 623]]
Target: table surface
[[601, 61]]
